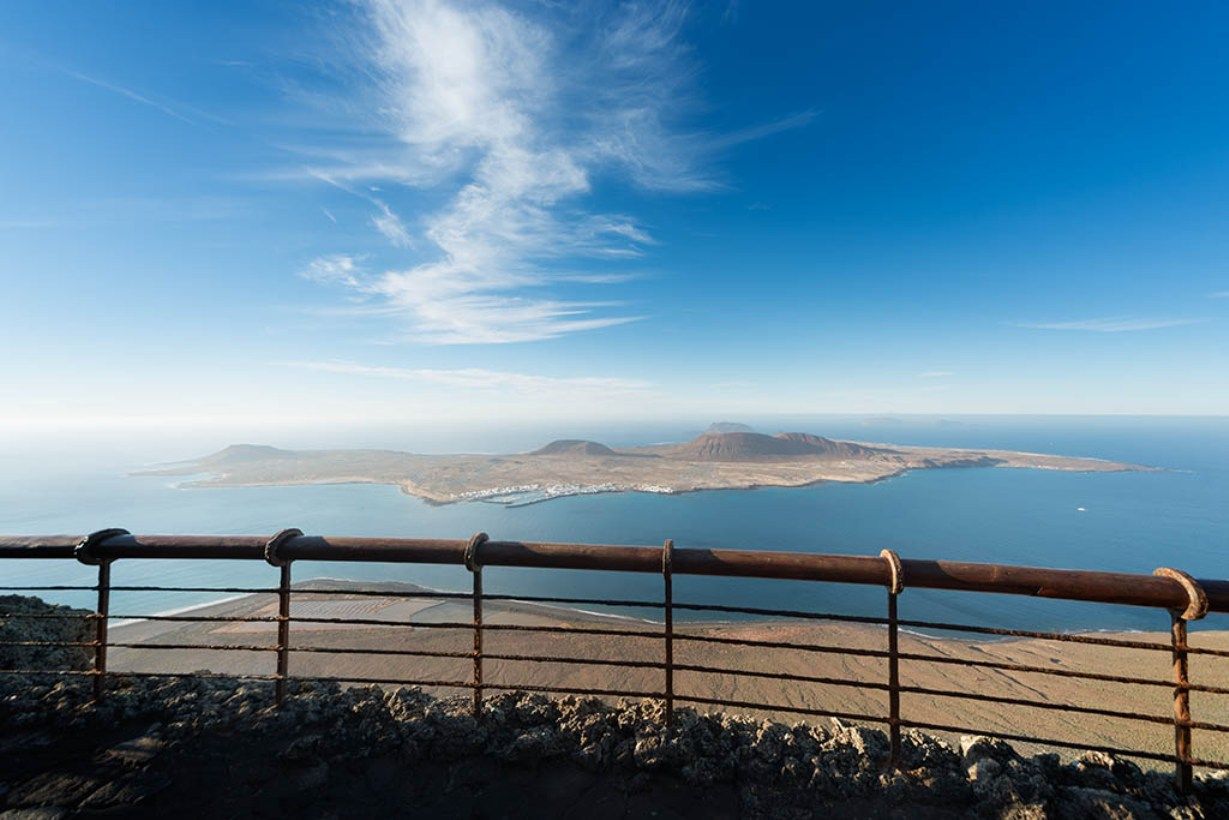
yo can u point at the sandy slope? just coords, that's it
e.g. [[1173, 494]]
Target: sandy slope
[[407, 630]]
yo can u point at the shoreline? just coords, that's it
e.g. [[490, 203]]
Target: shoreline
[[183, 610]]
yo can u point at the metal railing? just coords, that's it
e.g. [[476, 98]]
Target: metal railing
[[1184, 597]]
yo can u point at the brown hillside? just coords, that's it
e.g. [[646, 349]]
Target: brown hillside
[[574, 447], [832, 447], [760, 447]]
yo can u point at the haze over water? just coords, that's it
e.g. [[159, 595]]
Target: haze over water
[[1130, 522]]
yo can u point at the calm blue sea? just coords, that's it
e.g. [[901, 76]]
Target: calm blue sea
[[1129, 521]]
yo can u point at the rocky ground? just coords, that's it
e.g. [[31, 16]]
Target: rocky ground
[[42, 629], [211, 748]]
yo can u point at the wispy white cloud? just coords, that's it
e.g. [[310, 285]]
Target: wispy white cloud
[[338, 269], [758, 132], [511, 115], [1113, 324], [480, 378], [385, 220], [730, 16], [1220, 294], [129, 93], [598, 278], [389, 223], [935, 374]]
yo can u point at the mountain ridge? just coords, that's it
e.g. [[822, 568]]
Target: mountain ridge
[[744, 446], [574, 446]]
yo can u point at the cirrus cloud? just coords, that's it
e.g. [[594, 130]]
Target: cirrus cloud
[[1112, 324], [508, 117], [480, 378]]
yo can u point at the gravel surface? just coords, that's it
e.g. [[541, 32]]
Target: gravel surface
[[200, 747]]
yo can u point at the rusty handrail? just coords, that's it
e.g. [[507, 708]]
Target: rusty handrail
[[1066, 584]]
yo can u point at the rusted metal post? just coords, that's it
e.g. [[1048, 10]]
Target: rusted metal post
[[85, 552], [667, 558], [100, 628], [478, 642], [283, 634], [475, 568], [893, 685], [1182, 704], [1196, 608], [272, 556], [895, 585]]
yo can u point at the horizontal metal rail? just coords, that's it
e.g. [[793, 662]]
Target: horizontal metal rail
[[1183, 597], [1077, 585]]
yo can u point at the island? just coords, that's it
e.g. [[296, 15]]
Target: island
[[718, 459]]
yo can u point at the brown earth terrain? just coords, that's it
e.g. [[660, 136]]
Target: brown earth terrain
[[410, 627]]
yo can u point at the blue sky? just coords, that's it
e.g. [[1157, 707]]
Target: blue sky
[[450, 210]]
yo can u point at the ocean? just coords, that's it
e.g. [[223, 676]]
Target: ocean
[[1132, 522]]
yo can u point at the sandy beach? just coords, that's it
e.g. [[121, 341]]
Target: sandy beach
[[409, 619]]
